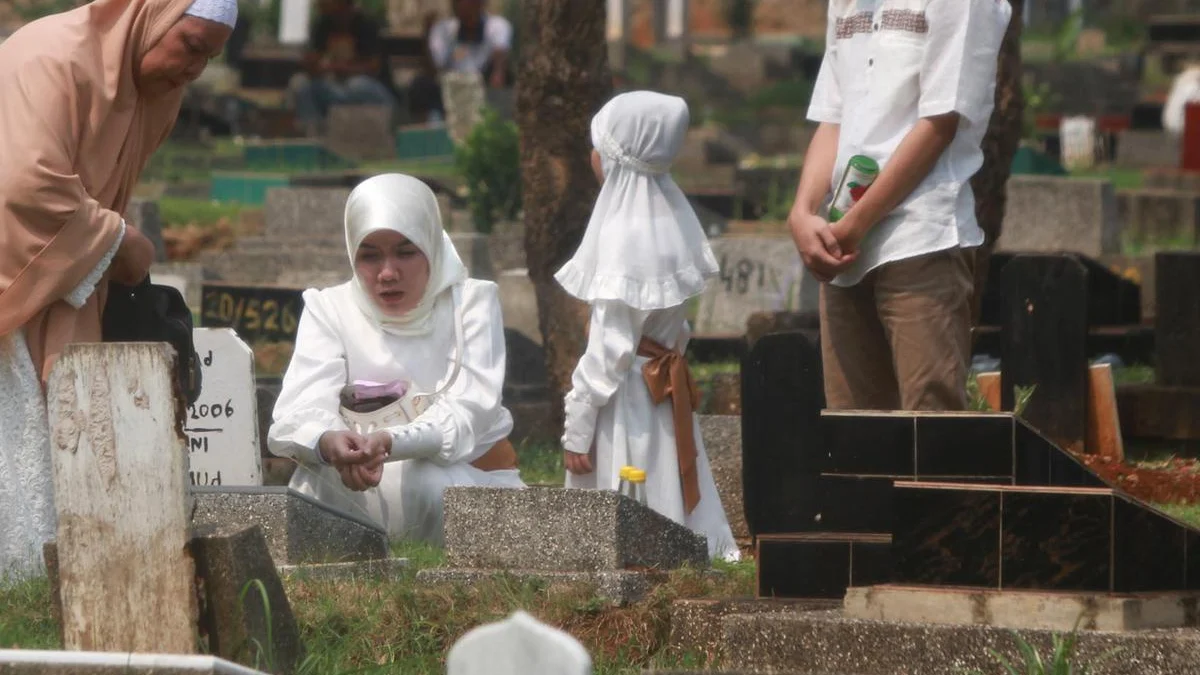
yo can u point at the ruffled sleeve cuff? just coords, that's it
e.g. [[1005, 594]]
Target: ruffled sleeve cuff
[[580, 423], [80, 294]]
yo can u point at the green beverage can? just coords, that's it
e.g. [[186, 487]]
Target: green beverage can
[[861, 171]]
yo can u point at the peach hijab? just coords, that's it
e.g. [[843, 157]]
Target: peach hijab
[[74, 138]]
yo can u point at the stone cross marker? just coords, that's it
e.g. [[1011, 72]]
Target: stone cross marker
[[222, 425], [519, 645], [120, 472], [758, 274]]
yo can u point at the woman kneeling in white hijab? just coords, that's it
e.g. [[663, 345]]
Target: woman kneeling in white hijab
[[393, 391], [644, 254]]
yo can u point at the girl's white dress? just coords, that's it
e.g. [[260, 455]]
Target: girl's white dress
[[610, 396], [337, 344]]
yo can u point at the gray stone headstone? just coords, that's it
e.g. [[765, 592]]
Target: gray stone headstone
[[464, 96], [1049, 214], [291, 212], [1158, 218], [298, 528], [1141, 149], [362, 132], [757, 274], [557, 529], [244, 619], [145, 216]]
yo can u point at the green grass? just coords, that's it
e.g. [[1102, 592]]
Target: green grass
[[1135, 374], [541, 463], [1189, 513], [25, 620], [180, 211], [1121, 178]]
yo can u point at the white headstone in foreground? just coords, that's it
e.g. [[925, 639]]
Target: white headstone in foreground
[[519, 645], [293, 21], [222, 425]]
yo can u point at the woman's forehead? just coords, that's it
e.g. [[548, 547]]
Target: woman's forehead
[[385, 238]]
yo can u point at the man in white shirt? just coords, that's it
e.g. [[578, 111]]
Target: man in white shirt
[[910, 84], [473, 41]]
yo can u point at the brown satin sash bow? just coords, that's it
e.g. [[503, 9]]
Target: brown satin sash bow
[[667, 374]]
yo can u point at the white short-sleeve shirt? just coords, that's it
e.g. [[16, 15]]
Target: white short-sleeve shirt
[[468, 57], [887, 64]]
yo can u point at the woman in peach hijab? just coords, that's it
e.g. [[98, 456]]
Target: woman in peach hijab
[[88, 96]]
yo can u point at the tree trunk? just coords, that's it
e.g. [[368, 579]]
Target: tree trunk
[[999, 147], [563, 80]]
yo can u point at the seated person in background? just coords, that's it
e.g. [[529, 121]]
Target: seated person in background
[[342, 65], [393, 391], [471, 41]]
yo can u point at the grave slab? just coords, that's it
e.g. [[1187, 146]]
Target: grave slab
[[1157, 218], [1051, 214], [53, 662], [828, 642], [292, 212], [696, 622], [1022, 609], [245, 605], [222, 425], [819, 564], [554, 529], [387, 569], [298, 528], [618, 588]]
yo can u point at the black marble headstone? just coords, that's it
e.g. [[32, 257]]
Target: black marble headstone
[[1044, 344], [782, 398], [256, 313], [1177, 318], [1112, 300]]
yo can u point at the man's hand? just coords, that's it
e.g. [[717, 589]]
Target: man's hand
[[818, 245], [134, 256]]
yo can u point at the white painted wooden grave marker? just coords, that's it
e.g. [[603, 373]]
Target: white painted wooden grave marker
[[519, 645], [120, 470], [222, 425], [293, 21]]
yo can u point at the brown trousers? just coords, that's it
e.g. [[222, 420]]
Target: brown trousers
[[900, 339]]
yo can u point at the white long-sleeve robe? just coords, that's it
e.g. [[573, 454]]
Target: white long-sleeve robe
[[609, 401], [337, 344], [27, 513]]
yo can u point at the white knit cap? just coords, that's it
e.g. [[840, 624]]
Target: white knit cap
[[221, 11]]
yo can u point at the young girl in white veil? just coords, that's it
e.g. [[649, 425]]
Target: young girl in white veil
[[644, 254]]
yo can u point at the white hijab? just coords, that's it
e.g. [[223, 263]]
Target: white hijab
[[406, 205], [644, 246]]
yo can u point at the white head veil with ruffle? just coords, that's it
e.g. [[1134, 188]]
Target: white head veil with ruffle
[[406, 205], [644, 246]]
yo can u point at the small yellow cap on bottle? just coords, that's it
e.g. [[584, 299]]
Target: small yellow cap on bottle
[[625, 472], [637, 476]]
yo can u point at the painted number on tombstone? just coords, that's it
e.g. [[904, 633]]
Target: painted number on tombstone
[[757, 274], [256, 313], [222, 425]]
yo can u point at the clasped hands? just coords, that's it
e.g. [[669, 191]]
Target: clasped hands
[[358, 458], [827, 249]]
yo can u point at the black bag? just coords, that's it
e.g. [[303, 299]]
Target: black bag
[[155, 313]]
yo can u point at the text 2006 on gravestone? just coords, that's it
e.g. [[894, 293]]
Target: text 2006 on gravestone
[[257, 313]]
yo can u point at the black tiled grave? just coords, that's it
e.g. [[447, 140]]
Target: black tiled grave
[[1039, 462], [964, 445], [1044, 344], [782, 398], [855, 504], [820, 565], [1150, 553], [1192, 560], [868, 444], [1112, 300], [946, 537], [1056, 541], [1177, 317]]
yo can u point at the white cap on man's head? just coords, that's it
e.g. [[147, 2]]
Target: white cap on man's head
[[221, 11]]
